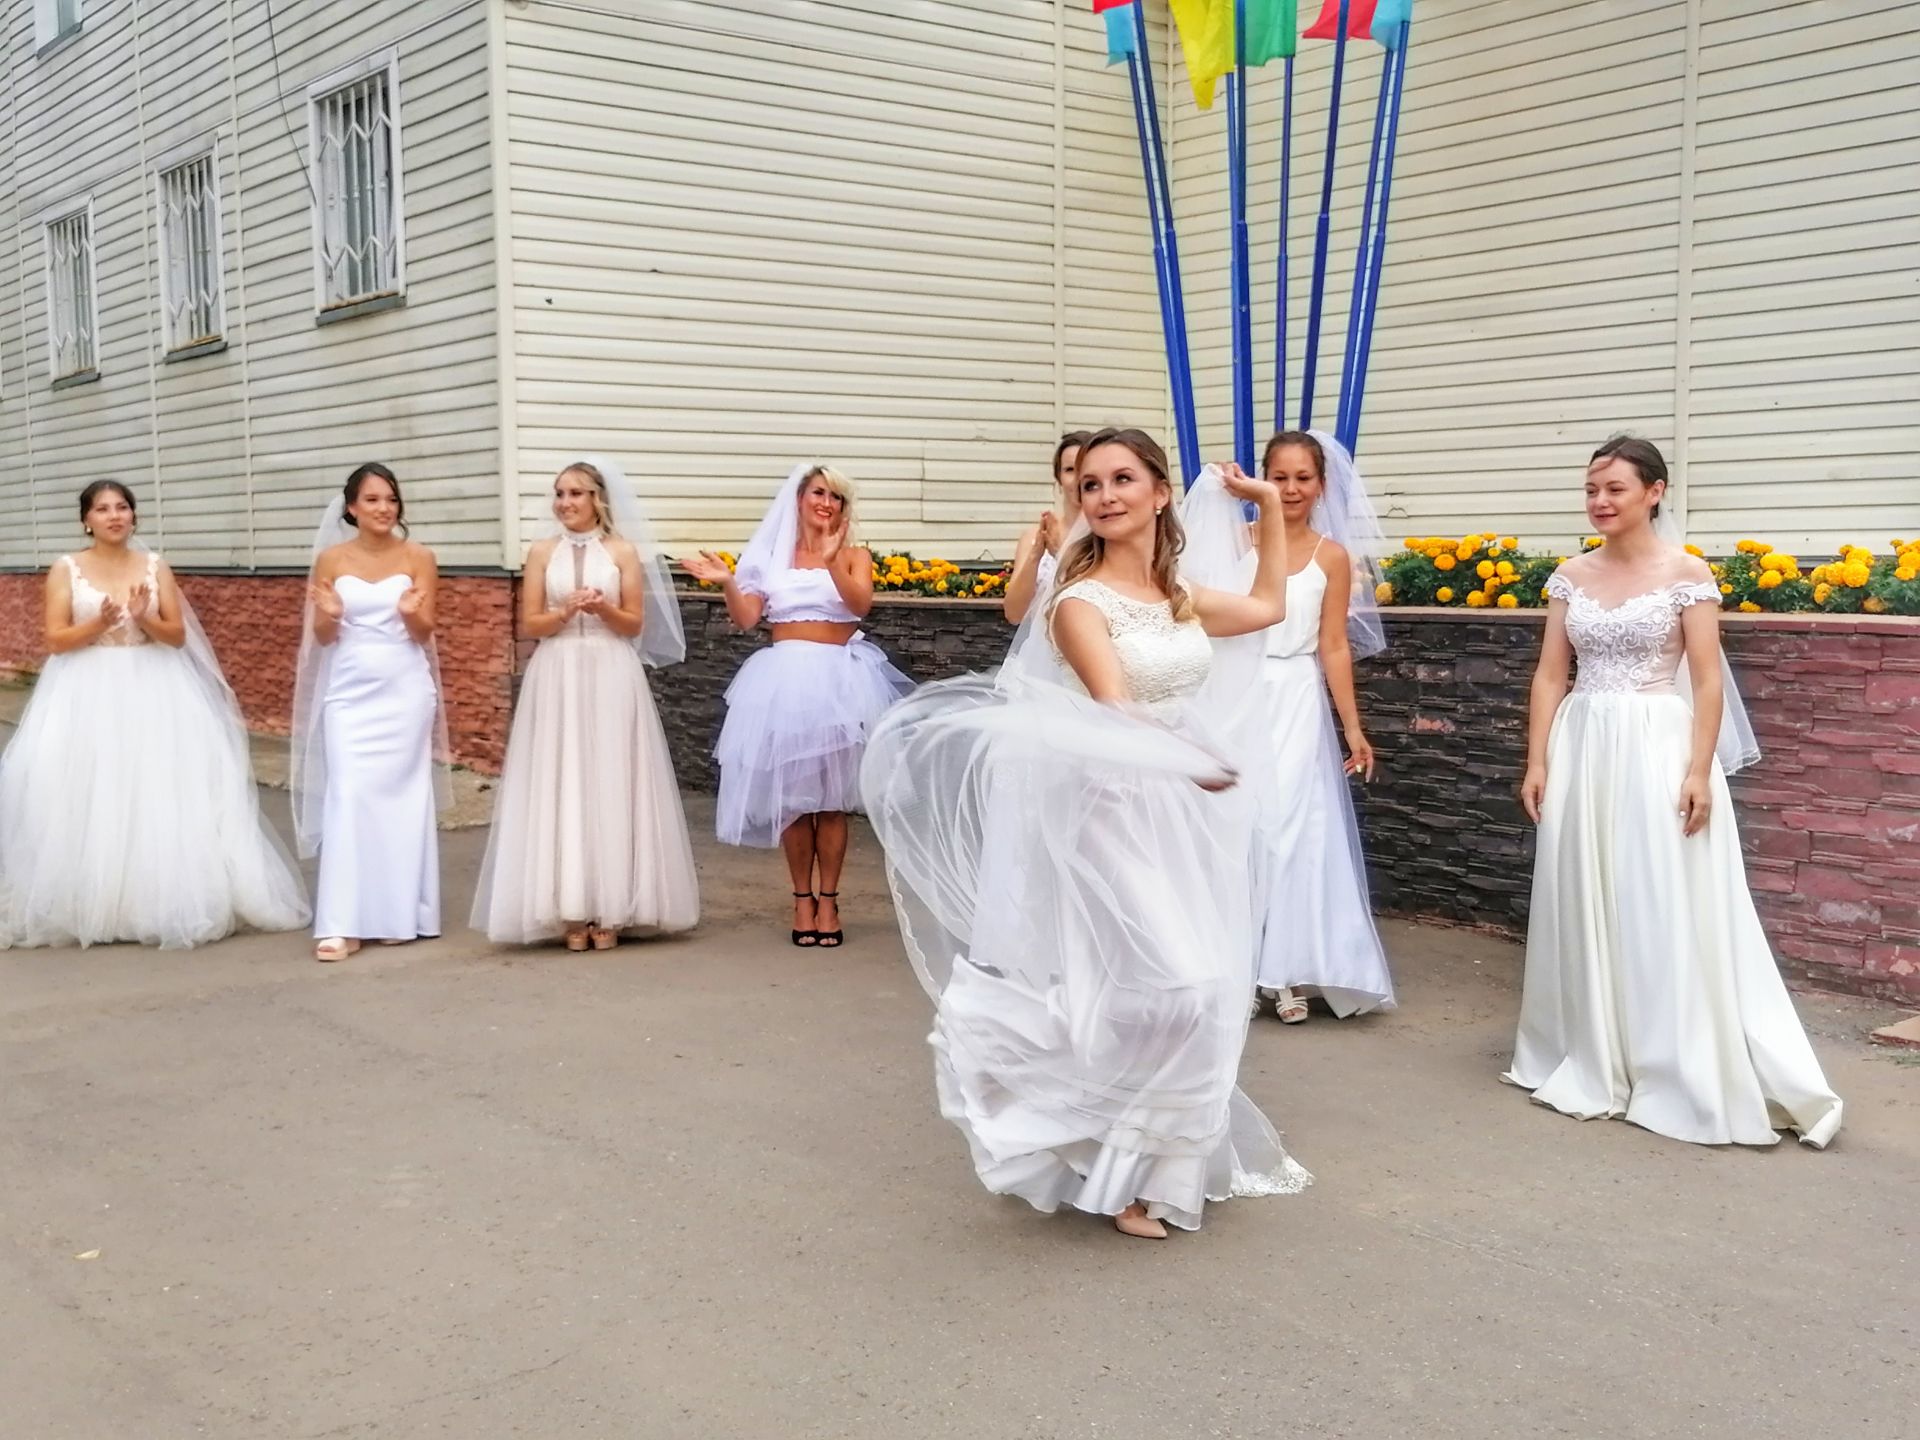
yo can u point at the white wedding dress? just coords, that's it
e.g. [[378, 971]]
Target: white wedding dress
[[1318, 929], [1651, 993], [1076, 906], [127, 803], [379, 848], [587, 825]]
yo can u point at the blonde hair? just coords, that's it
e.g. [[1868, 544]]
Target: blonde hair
[[602, 507], [1169, 539], [836, 483]]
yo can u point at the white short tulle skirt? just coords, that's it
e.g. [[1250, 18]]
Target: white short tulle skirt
[[798, 717], [1651, 993], [587, 824], [128, 812]]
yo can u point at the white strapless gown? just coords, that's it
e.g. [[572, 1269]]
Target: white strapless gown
[[127, 805], [587, 824], [1318, 930], [379, 848], [1651, 992]]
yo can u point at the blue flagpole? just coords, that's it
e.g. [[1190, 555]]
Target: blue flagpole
[[1351, 352], [1179, 361], [1242, 264], [1323, 226], [1280, 301], [1379, 257]]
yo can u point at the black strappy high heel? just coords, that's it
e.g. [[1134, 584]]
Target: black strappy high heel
[[805, 939], [828, 939]]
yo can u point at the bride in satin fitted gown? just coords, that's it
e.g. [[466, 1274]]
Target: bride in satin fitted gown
[[1651, 993], [365, 741]]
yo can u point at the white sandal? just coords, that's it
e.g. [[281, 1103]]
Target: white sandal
[[334, 947], [1291, 1007]]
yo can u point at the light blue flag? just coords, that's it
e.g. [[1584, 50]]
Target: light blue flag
[[1121, 36], [1388, 17]]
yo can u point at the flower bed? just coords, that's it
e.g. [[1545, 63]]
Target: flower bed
[[898, 573], [1481, 571]]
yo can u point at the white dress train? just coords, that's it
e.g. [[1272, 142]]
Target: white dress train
[[379, 847], [127, 803], [1651, 993], [1318, 931], [1075, 905], [587, 824]]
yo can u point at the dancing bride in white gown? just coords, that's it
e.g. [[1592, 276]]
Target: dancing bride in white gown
[[368, 724], [127, 803], [1651, 992], [1068, 852]]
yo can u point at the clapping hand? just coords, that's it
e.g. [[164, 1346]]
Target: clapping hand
[[708, 568], [413, 600], [139, 602], [113, 614], [1243, 486], [1050, 536], [836, 537], [588, 602], [325, 599]]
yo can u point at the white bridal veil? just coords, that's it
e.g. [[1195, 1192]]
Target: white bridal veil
[[1736, 745], [662, 639]]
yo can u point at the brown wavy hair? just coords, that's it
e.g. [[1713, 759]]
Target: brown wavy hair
[[1085, 555]]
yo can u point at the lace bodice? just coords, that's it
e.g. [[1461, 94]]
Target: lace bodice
[[1634, 646], [1299, 632], [88, 599], [581, 562], [805, 595], [1162, 659]]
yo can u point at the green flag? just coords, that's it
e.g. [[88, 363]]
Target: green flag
[[1273, 29]]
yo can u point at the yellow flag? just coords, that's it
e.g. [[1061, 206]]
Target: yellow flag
[[1206, 40]]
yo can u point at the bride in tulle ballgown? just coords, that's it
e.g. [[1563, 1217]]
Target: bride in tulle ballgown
[[127, 802], [1651, 993], [588, 837], [1068, 847]]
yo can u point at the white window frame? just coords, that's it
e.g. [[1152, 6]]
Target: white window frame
[[48, 26], [388, 62], [172, 341], [48, 219]]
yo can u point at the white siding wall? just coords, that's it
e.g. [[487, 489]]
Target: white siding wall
[[1564, 265], [908, 240], [233, 454]]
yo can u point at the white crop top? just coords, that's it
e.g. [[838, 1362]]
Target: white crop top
[[805, 595]]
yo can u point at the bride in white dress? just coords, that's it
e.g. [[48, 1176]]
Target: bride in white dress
[[1318, 937], [127, 802], [368, 725], [1067, 848], [1651, 993], [1037, 556], [588, 836]]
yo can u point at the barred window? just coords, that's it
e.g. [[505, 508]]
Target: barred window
[[358, 235], [70, 291], [54, 20], [191, 302]]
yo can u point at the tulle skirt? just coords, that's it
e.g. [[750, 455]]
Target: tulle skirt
[[1651, 993], [1075, 903], [798, 716], [587, 824], [128, 812], [1317, 930]]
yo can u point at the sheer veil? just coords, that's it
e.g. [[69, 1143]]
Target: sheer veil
[[662, 639], [308, 761], [770, 548], [1345, 515], [1736, 746]]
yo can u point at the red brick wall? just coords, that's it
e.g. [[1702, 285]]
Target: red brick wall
[[254, 624], [1831, 814]]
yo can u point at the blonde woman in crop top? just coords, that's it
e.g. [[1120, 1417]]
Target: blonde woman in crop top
[[799, 711]]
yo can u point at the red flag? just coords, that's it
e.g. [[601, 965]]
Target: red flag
[[1359, 20], [1099, 5]]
